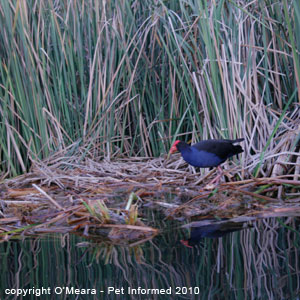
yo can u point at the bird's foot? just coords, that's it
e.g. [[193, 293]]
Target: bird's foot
[[212, 184]]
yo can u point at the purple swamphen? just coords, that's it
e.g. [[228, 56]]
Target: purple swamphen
[[208, 153]]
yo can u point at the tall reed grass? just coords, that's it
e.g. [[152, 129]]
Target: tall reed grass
[[129, 77]]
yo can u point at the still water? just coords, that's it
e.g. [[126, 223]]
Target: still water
[[257, 260]]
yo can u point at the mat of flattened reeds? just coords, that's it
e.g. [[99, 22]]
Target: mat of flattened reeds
[[105, 198]]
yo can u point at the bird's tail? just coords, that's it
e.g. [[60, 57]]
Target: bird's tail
[[236, 141], [238, 149]]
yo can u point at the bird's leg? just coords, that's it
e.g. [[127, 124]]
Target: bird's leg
[[218, 177]]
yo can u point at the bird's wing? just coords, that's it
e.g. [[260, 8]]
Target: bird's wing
[[222, 148]]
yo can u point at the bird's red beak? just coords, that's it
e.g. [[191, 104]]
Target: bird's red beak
[[173, 149], [185, 243]]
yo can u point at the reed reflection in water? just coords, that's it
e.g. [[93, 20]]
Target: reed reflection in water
[[258, 262]]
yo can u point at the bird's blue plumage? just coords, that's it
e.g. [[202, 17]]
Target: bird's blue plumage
[[208, 153], [201, 159]]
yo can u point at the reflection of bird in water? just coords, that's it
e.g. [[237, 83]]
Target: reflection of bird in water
[[212, 231]]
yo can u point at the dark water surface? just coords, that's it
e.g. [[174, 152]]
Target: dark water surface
[[260, 261]]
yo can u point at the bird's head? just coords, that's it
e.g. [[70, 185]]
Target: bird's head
[[174, 147]]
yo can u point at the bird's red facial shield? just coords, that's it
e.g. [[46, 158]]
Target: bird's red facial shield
[[174, 148]]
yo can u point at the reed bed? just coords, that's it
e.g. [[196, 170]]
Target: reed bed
[[126, 78], [107, 198], [93, 93]]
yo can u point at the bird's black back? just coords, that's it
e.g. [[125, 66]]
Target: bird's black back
[[222, 148]]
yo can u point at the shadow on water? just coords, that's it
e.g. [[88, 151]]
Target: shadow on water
[[225, 260]]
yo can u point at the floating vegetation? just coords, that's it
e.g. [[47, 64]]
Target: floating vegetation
[[105, 198]]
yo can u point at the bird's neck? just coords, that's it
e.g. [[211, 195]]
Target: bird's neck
[[183, 147]]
